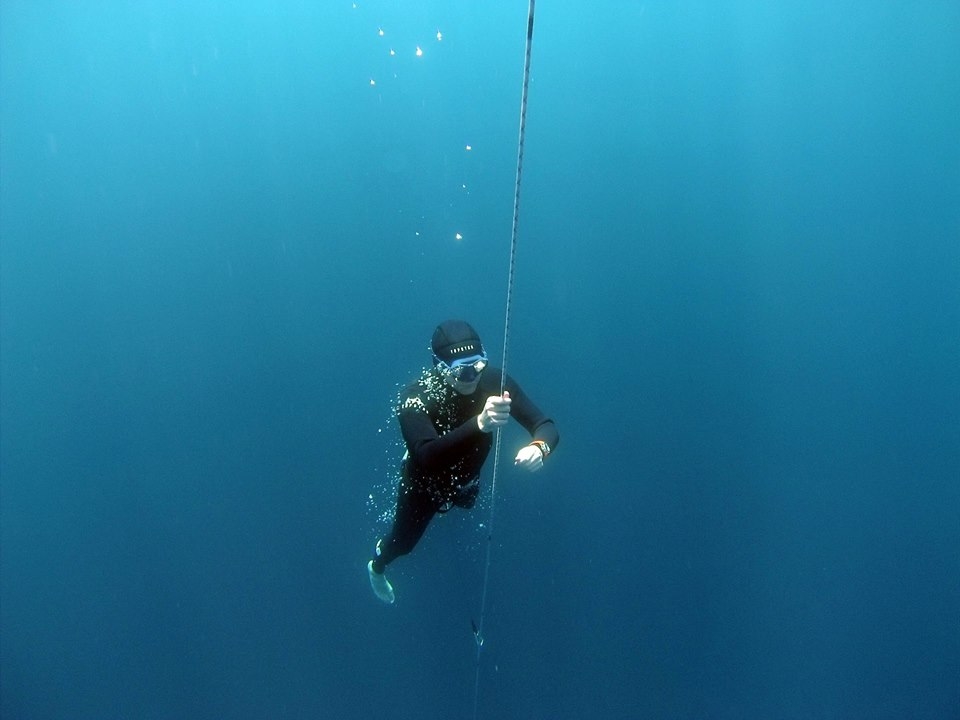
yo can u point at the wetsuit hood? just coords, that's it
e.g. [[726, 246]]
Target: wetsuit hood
[[455, 339]]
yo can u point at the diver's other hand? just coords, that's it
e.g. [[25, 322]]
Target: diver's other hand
[[495, 413], [529, 458]]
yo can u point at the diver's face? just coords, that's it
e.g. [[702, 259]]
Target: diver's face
[[464, 388], [463, 374]]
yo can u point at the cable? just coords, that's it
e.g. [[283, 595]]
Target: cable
[[478, 629]]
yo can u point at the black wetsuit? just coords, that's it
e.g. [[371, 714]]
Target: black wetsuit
[[446, 450]]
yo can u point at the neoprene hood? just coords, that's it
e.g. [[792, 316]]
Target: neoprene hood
[[455, 339]]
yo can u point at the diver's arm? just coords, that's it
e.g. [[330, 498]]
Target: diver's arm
[[430, 450], [540, 427]]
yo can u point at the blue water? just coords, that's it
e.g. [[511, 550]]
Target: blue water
[[737, 292]]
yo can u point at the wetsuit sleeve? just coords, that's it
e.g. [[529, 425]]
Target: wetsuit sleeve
[[530, 417], [426, 447]]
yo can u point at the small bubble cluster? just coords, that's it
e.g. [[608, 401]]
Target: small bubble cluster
[[401, 55]]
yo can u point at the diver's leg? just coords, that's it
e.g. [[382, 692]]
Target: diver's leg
[[415, 509]]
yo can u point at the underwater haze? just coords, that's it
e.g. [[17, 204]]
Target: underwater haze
[[228, 230]]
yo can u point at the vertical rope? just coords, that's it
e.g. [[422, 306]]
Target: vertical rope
[[478, 629], [516, 192]]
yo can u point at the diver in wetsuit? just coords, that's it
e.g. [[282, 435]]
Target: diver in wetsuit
[[447, 419]]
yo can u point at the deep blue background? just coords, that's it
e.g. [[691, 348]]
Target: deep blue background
[[738, 292]]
